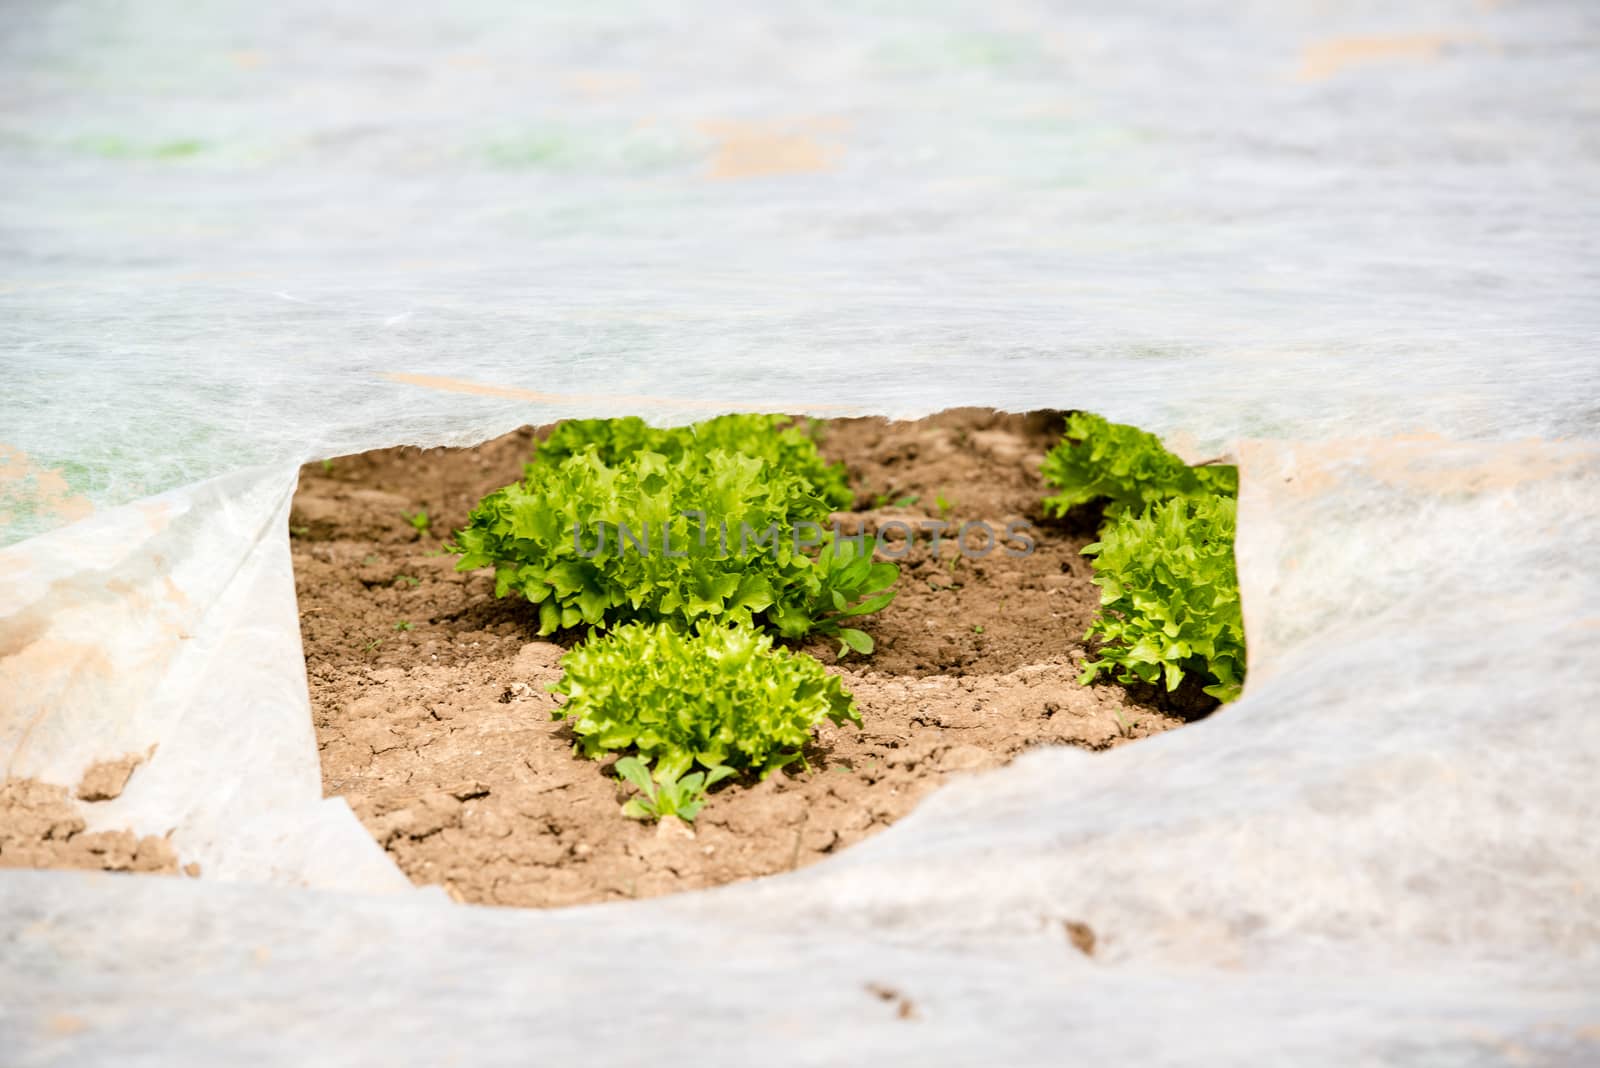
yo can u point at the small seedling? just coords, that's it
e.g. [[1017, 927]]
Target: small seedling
[[977, 628], [407, 580], [419, 521], [373, 644], [907, 502], [299, 532], [404, 624], [943, 505], [682, 797], [369, 559], [853, 640], [327, 467]]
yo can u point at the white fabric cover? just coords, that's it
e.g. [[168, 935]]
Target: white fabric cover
[[1350, 245]]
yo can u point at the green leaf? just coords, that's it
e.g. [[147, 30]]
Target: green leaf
[[855, 573], [857, 640], [880, 576], [1174, 674], [870, 605], [754, 593], [779, 761], [671, 761], [633, 770], [592, 604], [636, 809]]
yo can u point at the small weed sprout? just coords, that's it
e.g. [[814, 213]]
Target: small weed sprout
[[680, 796]]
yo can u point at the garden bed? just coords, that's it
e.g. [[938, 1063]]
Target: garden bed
[[434, 722]]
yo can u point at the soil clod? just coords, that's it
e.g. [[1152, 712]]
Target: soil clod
[[1081, 935], [106, 780]]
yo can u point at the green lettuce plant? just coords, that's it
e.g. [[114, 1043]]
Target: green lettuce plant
[[707, 535], [719, 698], [1124, 466], [782, 443], [1169, 596], [1169, 592]]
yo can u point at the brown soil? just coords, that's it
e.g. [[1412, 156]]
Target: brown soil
[[41, 826], [433, 718], [106, 780]]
